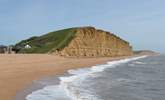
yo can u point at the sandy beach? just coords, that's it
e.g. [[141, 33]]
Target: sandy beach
[[19, 70]]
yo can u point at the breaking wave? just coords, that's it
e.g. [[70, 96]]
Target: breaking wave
[[71, 87]]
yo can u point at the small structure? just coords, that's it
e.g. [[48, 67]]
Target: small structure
[[27, 46], [2, 49], [6, 49]]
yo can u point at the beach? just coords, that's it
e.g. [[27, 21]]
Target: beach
[[19, 70]]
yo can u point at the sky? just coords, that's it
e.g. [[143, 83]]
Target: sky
[[141, 22]]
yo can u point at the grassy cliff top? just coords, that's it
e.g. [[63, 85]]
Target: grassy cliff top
[[52, 41]]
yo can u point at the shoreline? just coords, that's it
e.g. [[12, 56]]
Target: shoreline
[[23, 70]]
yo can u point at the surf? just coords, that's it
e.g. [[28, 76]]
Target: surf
[[70, 88]]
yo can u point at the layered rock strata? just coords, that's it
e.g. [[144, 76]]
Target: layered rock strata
[[91, 42]]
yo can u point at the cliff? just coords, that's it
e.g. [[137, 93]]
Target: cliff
[[78, 42], [89, 42]]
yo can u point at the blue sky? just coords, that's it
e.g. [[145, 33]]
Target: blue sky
[[141, 22]]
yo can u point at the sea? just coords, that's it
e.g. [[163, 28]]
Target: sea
[[136, 78]]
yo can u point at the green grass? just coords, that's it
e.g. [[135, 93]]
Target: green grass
[[48, 42]]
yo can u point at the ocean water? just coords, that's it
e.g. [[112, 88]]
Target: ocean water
[[138, 78]]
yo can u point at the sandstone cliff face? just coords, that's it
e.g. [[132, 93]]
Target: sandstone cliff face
[[90, 42]]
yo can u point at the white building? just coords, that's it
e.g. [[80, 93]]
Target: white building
[[27, 46]]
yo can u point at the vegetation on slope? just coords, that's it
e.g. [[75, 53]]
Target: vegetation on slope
[[145, 52], [43, 44]]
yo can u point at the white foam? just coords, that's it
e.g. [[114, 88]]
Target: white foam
[[140, 63], [70, 86], [48, 93]]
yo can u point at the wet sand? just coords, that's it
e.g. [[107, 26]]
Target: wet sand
[[17, 71]]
